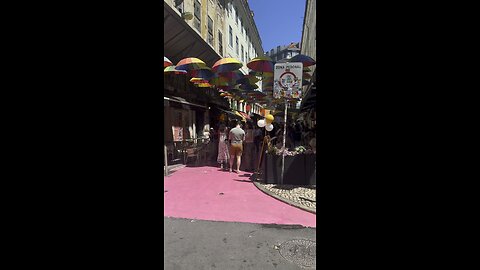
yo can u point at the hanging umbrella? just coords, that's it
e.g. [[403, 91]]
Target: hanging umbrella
[[190, 63], [198, 80], [203, 72], [248, 79], [263, 75], [204, 85], [167, 62], [245, 115], [232, 75], [219, 81], [305, 60], [227, 64], [248, 87], [267, 81], [222, 87], [173, 70], [261, 64], [235, 88], [306, 76]]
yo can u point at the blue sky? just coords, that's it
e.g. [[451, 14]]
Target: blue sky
[[279, 22]]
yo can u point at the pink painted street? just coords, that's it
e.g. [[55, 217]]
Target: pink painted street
[[206, 193]]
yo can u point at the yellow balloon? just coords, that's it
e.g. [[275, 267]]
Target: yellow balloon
[[269, 119]]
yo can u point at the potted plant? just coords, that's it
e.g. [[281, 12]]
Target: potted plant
[[298, 170]]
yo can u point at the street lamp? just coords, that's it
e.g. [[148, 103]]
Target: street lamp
[[187, 16]]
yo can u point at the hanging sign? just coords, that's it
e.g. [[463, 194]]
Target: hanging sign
[[287, 80]]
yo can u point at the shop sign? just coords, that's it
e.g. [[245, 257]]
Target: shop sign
[[177, 133]]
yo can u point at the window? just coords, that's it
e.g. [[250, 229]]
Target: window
[[230, 35], [179, 5], [236, 41], [210, 31], [236, 15], [198, 15], [243, 59], [220, 43]]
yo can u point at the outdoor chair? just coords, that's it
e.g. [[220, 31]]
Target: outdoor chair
[[192, 152]]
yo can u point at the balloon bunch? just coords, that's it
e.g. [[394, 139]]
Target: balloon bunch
[[267, 122]]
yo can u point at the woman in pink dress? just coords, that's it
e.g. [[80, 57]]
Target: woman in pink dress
[[223, 154]]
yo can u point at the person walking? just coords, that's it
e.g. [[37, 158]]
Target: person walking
[[236, 138], [223, 155], [250, 153]]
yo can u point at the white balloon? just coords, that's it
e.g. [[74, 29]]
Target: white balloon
[[269, 127], [261, 123]]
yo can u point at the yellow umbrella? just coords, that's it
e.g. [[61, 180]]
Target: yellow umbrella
[[226, 65], [190, 63], [198, 80], [204, 85]]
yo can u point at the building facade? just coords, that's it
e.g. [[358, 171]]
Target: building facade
[[226, 25], [309, 48], [243, 40], [201, 29], [282, 53]]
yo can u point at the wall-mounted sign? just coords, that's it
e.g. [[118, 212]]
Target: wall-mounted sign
[[287, 80], [177, 133]]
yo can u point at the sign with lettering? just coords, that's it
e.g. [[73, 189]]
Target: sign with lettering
[[287, 80]]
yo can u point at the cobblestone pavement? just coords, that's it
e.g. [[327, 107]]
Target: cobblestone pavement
[[303, 197]]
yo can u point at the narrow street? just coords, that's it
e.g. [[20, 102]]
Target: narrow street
[[207, 193], [197, 244], [239, 85]]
